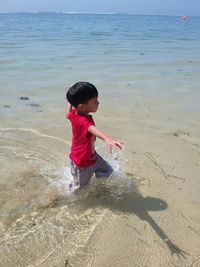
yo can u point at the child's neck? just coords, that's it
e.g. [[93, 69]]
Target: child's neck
[[83, 113]]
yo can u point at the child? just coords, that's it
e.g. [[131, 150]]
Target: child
[[85, 161]]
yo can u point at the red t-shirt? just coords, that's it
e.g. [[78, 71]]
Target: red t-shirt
[[82, 148]]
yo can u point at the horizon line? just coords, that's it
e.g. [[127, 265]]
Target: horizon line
[[93, 13]]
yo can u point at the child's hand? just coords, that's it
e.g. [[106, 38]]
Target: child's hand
[[114, 143], [109, 141]]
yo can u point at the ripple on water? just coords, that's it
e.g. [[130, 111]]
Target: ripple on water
[[29, 162], [43, 225], [195, 261]]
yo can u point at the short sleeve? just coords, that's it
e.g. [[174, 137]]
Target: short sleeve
[[70, 115]]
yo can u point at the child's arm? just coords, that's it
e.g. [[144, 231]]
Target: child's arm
[[109, 141], [69, 109]]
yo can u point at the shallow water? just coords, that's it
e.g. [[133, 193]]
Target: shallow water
[[36, 207], [35, 174], [43, 225], [147, 71]]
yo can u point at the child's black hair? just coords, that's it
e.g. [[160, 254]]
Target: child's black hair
[[80, 93]]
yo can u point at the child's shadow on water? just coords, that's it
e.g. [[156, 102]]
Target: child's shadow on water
[[132, 201]]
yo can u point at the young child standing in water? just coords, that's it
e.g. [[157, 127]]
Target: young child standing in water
[[85, 161]]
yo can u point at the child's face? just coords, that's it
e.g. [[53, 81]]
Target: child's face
[[91, 105]]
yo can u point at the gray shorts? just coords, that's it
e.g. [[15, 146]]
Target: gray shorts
[[82, 176]]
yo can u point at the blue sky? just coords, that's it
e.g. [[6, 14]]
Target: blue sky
[[157, 7]]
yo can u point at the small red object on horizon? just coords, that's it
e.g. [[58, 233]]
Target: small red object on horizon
[[184, 17]]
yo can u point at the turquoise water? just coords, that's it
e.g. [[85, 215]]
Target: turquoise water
[[45, 52], [41, 54]]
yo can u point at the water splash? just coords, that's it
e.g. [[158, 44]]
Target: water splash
[[117, 159], [112, 187]]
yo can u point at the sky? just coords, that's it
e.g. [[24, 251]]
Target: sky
[[146, 7]]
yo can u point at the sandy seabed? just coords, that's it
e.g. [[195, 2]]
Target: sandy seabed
[[148, 216]]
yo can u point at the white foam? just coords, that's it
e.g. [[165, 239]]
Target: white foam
[[116, 160], [64, 178]]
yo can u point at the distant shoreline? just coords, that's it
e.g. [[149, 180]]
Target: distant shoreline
[[95, 13]]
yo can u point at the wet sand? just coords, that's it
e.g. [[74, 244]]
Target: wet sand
[[148, 216]]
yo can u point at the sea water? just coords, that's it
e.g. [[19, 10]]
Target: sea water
[[146, 69], [145, 59]]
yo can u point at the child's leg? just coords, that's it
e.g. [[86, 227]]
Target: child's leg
[[81, 176], [102, 168]]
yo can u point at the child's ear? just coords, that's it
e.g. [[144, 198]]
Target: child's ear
[[81, 107]]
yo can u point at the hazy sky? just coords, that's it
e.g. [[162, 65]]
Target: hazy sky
[[157, 7]]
